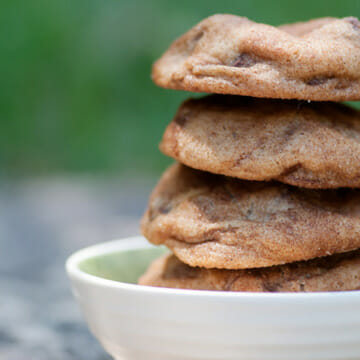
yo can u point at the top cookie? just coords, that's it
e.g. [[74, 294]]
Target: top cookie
[[227, 54]]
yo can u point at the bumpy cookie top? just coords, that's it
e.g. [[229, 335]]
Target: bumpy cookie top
[[332, 273], [227, 54], [215, 221], [314, 145]]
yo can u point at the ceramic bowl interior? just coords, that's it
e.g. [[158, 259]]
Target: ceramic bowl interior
[[122, 266]]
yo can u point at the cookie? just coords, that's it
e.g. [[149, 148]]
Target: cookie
[[339, 272], [314, 145], [227, 54], [214, 221]]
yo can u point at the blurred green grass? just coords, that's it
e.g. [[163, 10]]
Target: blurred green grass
[[75, 90]]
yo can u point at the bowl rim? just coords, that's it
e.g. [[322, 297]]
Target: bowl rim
[[139, 242]]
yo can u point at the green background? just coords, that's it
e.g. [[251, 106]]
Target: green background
[[75, 89]]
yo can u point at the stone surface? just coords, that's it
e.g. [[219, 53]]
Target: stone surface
[[41, 223]]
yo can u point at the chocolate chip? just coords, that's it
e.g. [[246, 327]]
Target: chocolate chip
[[313, 82], [164, 209], [182, 118], [290, 170], [161, 209], [342, 84], [354, 22], [244, 60], [290, 130], [198, 36], [178, 270], [248, 214], [192, 42], [271, 287], [230, 283], [317, 81]]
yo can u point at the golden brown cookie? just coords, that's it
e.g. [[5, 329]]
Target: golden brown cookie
[[215, 221], [339, 272], [227, 54], [314, 145]]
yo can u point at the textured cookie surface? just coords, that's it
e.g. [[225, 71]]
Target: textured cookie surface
[[215, 221], [227, 54], [314, 145], [339, 272]]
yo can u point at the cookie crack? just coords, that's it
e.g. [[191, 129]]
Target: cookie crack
[[289, 170]]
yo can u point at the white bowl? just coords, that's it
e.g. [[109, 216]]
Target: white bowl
[[148, 323]]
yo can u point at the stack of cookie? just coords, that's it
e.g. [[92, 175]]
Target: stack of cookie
[[263, 197]]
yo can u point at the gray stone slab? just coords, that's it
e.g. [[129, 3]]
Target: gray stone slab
[[41, 223]]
